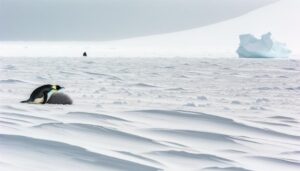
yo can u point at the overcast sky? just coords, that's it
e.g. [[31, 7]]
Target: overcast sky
[[111, 19]]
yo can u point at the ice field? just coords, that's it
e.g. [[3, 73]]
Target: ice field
[[140, 114]]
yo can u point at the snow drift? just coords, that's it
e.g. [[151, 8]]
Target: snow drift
[[151, 114]]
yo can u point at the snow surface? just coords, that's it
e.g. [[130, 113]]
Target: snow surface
[[218, 40], [140, 114], [251, 47]]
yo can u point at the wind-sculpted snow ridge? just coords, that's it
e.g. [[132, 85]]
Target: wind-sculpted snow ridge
[[154, 114]]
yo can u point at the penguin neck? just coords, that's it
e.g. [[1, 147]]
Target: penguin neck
[[49, 94]]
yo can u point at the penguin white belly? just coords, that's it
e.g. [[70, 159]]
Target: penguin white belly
[[38, 100]]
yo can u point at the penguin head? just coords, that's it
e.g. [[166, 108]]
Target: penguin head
[[56, 87], [59, 87]]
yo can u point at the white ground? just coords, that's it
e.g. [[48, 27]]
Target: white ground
[[151, 114]]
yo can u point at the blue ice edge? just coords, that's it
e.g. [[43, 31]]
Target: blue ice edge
[[251, 47]]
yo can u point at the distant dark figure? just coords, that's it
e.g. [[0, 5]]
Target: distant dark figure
[[84, 54]]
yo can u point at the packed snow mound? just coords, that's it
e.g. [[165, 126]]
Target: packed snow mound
[[251, 47]]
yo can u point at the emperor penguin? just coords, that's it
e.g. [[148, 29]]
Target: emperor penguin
[[42, 94]]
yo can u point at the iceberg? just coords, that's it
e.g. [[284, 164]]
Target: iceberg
[[251, 47]]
